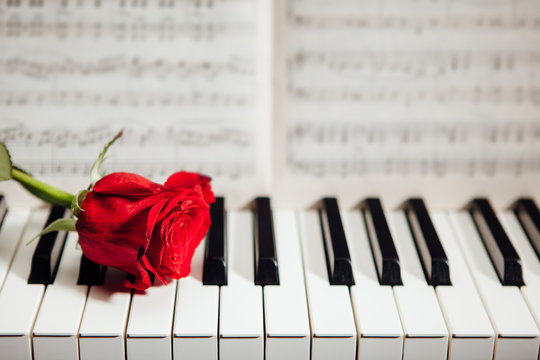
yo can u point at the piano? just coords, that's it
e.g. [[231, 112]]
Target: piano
[[367, 282]]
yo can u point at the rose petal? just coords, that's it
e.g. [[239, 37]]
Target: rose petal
[[172, 204], [183, 179], [182, 233], [152, 217], [117, 256], [126, 184]]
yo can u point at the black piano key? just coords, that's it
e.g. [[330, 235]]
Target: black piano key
[[266, 262], [430, 250], [215, 258], [48, 251], [3, 209], [132, 278], [90, 273], [382, 244], [501, 252], [529, 216], [338, 258]]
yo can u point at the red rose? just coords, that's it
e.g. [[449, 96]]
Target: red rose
[[143, 228]]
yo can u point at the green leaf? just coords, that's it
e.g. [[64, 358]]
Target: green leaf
[[58, 225], [77, 201], [95, 173], [5, 163]]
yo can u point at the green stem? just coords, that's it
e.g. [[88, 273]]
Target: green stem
[[41, 190]]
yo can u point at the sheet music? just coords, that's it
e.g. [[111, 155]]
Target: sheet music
[[266, 95], [409, 87], [181, 76]]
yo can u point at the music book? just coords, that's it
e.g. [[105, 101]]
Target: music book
[[294, 98]]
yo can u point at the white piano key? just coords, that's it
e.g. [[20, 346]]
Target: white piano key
[[10, 234], [426, 335], [529, 260], [19, 301], [59, 317], [285, 305], [471, 334], [241, 310], [103, 326], [196, 316], [517, 335], [150, 322], [330, 310], [380, 334]]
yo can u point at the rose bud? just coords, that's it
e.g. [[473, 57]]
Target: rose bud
[[144, 228]]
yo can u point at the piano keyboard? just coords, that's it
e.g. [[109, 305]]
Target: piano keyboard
[[322, 283]]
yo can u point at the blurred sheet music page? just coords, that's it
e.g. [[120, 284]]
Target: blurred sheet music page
[[407, 89], [181, 76], [289, 97]]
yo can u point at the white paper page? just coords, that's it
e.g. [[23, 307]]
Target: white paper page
[[367, 92], [184, 78], [406, 89]]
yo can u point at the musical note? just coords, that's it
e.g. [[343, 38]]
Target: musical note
[[371, 147], [136, 151], [120, 66]]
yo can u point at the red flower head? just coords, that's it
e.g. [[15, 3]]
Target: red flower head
[[133, 224]]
